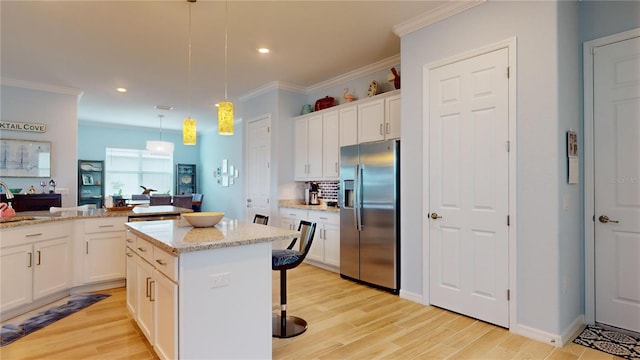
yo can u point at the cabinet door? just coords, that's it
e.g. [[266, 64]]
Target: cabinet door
[[349, 126], [52, 270], [103, 258], [316, 252], [331, 235], [300, 148], [166, 302], [16, 264], [314, 141], [330, 145], [371, 121], [392, 117], [132, 289], [145, 295]]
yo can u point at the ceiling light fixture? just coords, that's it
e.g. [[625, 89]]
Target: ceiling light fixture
[[263, 50], [121, 90], [189, 123], [159, 147], [225, 108]]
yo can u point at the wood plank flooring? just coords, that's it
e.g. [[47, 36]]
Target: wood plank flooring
[[346, 321]]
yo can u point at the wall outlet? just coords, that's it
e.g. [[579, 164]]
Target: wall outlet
[[218, 280]]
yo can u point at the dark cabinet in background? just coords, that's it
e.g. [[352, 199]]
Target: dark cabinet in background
[[91, 182], [186, 179], [33, 202]]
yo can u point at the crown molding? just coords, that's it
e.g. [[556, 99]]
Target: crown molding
[[274, 85], [41, 87], [441, 12], [383, 64]]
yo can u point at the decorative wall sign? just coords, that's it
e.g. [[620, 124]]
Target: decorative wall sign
[[29, 127], [226, 174], [25, 158]]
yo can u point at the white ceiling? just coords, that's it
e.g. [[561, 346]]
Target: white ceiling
[[96, 46]]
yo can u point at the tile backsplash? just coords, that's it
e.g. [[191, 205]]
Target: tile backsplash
[[328, 190]]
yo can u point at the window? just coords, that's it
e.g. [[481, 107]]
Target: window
[[128, 169]]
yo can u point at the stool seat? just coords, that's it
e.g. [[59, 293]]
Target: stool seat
[[281, 257]]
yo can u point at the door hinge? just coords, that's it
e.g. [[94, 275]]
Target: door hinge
[[508, 294], [268, 128], [508, 71], [267, 200], [268, 164], [508, 146], [508, 220]]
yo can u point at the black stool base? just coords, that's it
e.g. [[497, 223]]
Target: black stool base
[[295, 326]]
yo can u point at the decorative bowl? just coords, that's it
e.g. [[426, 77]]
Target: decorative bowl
[[203, 219], [15, 191]]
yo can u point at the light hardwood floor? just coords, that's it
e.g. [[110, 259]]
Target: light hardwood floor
[[346, 321]]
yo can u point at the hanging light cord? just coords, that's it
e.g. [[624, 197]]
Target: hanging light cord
[[189, 102], [226, 31]]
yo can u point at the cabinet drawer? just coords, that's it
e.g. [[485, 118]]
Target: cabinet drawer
[[104, 225], [144, 249], [324, 217], [131, 241], [290, 213], [166, 263]]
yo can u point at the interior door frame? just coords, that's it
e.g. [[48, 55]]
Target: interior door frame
[[589, 168], [511, 45], [246, 162]]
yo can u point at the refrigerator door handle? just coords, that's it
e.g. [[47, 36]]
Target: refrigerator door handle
[[355, 198], [358, 198]]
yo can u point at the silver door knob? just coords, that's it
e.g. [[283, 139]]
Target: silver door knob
[[435, 216], [605, 219]]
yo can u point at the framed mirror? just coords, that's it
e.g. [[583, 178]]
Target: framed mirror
[[25, 158]]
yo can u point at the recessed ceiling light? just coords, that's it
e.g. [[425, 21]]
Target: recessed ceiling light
[[164, 107], [121, 90], [263, 50]]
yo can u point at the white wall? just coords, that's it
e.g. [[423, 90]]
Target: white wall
[[56, 107], [539, 153]]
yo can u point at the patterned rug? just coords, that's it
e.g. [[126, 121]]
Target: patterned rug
[[10, 332], [610, 341]]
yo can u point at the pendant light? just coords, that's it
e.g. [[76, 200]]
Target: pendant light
[[159, 147], [225, 108], [189, 123]]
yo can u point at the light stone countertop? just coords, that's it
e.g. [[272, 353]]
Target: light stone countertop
[[298, 204], [177, 236], [41, 217]]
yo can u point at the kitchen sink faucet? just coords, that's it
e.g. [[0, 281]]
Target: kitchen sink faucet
[[6, 189]]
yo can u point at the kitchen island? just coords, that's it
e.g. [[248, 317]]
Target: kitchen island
[[202, 293]]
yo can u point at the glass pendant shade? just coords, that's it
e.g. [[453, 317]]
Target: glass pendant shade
[[159, 147], [225, 118], [189, 131]]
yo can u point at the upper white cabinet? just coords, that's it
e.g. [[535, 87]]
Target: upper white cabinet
[[308, 147], [379, 119], [330, 145], [349, 125]]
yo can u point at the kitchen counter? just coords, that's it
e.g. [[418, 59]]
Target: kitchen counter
[[210, 288], [177, 236], [298, 204], [39, 217]]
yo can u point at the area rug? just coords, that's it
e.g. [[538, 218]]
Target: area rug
[[10, 332], [610, 341]]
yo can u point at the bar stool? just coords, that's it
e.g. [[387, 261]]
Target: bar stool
[[284, 326], [261, 219], [159, 199], [183, 201]]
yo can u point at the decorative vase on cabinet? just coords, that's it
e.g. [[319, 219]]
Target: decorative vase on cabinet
[[91, 182], [186, 179]]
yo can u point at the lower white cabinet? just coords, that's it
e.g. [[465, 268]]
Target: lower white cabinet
[[325, 248], [104, 246], [152, 294], [35, 262]]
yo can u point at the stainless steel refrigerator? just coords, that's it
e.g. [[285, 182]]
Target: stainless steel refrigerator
[[370, 213]]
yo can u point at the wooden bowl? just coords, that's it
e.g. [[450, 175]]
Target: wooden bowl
[[203, 219]]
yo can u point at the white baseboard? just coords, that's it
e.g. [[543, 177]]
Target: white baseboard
[[411, 296], [572, 330], [557, 340]]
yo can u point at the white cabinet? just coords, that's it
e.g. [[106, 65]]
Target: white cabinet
[[308, 147], [379, 119], [104, 248], [330, 145], [35, 262], [153, 300], [289, 219], [349, 125], [325, 248]]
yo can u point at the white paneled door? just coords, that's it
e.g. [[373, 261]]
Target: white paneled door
[[469, 186], [617, 183], [258, 166]]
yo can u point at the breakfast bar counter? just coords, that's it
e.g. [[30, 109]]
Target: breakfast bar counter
[[202, 293]]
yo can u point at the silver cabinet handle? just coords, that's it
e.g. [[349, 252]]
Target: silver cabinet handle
[[388, 128], [105, 226], [151, 288], [381, 133], [605, 219], [32, 235], [148, 288], [39, 257], [129, 254], [30, 260], [142, 249], [161, 262]]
